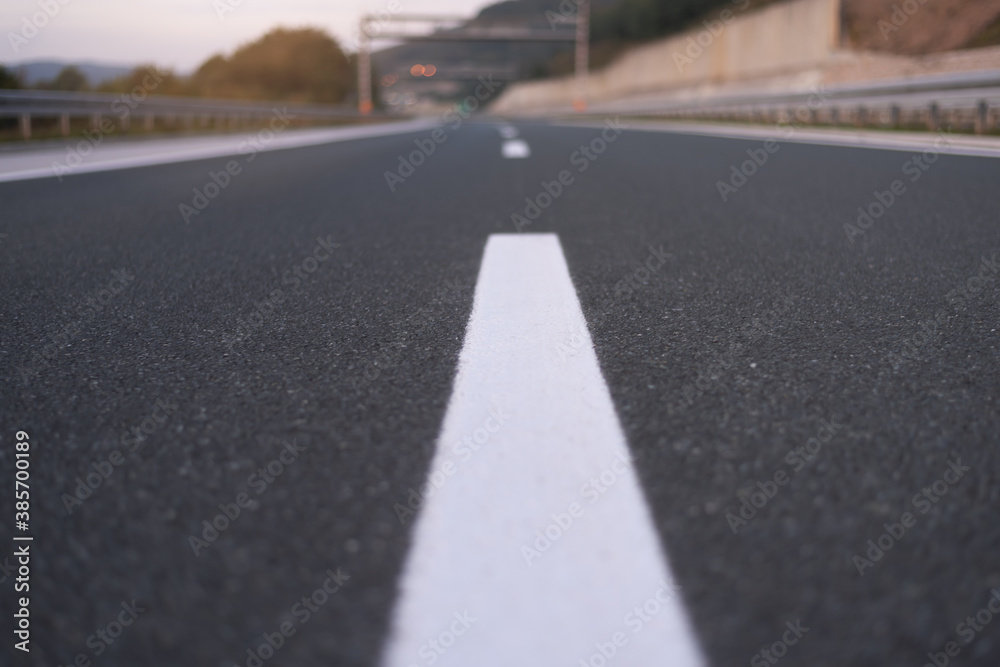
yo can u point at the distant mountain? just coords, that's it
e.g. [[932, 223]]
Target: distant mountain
[[34, 71]]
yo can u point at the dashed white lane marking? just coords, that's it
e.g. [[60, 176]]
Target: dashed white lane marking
[[534, 544], [41, 163], [508, 131], [515, 148]]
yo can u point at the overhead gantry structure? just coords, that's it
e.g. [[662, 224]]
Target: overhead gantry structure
[[457, 29]]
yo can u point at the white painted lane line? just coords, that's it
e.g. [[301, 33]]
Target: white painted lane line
[[109, 156], [515, 148], [535, 527], [508, 131]]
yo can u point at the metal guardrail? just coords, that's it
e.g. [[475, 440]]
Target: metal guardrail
[[189, 112], [968, 100]]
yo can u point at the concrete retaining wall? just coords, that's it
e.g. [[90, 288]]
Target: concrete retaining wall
[[730, 45]]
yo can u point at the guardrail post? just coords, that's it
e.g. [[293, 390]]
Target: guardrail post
[[982, 116], [894, 115], [64, 124], [149, 122], [95, 122], [862, 117], [834, 116], [26, 125], [932, 117]]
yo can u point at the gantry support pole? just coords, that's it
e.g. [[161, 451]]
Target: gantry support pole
[[364, 70], [582, 54]]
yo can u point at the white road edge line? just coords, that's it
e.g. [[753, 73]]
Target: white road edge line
[[31, 164], [515, 149], [534, 545]]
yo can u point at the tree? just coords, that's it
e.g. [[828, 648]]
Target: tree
[[300, 65], [637, 20], [148, 78], [69, 78], [8, 79]]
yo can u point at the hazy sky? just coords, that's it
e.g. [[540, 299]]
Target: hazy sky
[[179, 33]]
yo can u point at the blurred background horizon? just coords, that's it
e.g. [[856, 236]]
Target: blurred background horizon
[[304, 50], [180, 35]]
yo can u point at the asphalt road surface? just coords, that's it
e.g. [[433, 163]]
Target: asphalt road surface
[[790, 389]]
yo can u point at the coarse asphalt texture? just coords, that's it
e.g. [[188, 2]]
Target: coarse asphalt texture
[[729, 333]]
